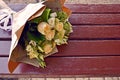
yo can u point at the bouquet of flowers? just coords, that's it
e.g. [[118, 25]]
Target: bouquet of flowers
[[41, 35], [36, 33]]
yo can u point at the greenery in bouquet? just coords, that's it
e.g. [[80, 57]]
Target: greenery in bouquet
[[41, 35]]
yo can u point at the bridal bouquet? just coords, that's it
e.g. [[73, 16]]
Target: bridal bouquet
[[37, 30]]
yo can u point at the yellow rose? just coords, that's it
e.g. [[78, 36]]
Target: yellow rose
[[42, 27], [48, 47], [50, 34]]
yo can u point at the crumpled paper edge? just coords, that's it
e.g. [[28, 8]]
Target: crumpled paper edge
[[19, 20]]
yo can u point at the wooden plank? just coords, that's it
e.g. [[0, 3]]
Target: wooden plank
[[105, 65], [86, 32], [4, 47], [94, 8], [95, 32], [79, 48], [95, 19], [4, 34], [82, 8], [90, 48], [90, 18]]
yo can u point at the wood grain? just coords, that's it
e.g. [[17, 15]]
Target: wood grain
[[94, 8], [4, 34], [95, 32], [93, 49], [68, 66], [78, 48], [95, 19], [81, 8], [4, 47]]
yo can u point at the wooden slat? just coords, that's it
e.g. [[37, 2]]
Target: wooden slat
[[107, 65], [95, 19], [92, 18], [79, 48], [94, 8], [4, 34], [86, 32], [82, 8], [4, 47], [95, 32], [90, 48]]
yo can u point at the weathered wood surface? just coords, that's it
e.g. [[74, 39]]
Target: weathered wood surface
[[78, 48], [94, 8], [93, 49], [57, 66], [95, 19], [82, 8]]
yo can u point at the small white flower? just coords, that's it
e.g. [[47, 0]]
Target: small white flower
[[32, 55], [29, 48], [57, 41], [33, 43], [61, 41], [53, 15], [51, 22]]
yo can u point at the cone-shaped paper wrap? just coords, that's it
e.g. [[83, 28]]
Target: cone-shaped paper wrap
[[31, 11]]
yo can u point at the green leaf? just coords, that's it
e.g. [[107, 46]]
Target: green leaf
[[62, 16], [41, 57], [37, 20], [41, 63], [68, 28], [35, 37], [43, 17], [45, 14]]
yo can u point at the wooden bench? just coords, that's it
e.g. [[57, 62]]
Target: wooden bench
[[93, 49]]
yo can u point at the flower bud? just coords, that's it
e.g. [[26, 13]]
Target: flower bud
[[29, 48], [47, 48], [59, 26], [53, 15]]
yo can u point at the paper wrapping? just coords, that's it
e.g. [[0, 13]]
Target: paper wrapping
[[31, 11]]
